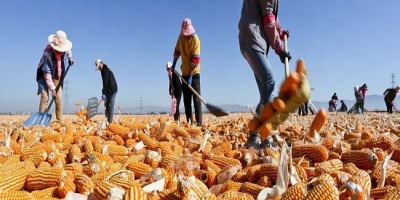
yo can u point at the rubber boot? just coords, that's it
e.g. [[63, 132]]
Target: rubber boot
[[254, 141], [269, 142]]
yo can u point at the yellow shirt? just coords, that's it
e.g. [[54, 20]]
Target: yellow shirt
[[189, 50]]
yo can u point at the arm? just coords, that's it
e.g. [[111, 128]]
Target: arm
[[105, 76], [195, 57], [47, 73], [177, 53], [386, 91], [271, 25]]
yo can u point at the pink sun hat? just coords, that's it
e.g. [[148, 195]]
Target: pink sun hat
[[186, 27]]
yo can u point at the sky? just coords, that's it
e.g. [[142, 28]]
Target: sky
[[343, 43]]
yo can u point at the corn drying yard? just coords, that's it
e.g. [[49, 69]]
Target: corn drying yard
[[153, 157]]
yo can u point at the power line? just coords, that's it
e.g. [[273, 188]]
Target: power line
[[393, 82], [141, 104]]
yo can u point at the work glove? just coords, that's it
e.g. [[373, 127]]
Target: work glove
[[285, 32], [54, 94], [70, 61], [190, 80], [283, 54], [103, 97]]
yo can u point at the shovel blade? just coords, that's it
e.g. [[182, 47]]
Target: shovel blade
[[218, 112], [38, 118], [92, 107]]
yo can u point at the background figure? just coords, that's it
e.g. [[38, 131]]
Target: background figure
[[175, 89], [188, 47], [50, 70], [363, 90], [259, 29], [303, 110], [343, 107], [334, 97], [389, 96], [359, 100], [110, 89], [332, 105]]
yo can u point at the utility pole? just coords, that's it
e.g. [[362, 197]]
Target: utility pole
[[66, 96], [393, 82], [141, 104]]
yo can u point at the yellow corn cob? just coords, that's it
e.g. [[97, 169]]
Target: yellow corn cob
[[270, 170], [74, 168], [233, 195], [304, 162], [251, 188], [202, 175], [104, 159], [362, 159], [265, 181], [382, 142], [379, 193], [254, 173], [51, 136], [253, 124], [318, 122], [103, 188], [328, 166], [170, 160], [325, 190], [13, 177], [84, 184], [300, 67], [333, 155], [222, 161], [120, 159], [393, 195], [223, 148], [139, 168], [92, 169], [340, 177], [169, 194], [323, 178], [295, 192], [66, 186], [310, 172], [363, 181], [180, 132], [44, 178], [16, 147], [132, 158], [135, 192], [124, 179], [11, 160], [118, 129], [50, 192], [74, 154], [212, 177], [169, 148], [231, 186], [117, 150], [118, 139], [273, 153], [109, 142], [148, 141], [130, 143], [240, 176], [13, 195], [58, 159], [393, 179], [88, 146], [317, 153], [301, 172], [44, 164], [278, 104], [37, 157], [115, 167]]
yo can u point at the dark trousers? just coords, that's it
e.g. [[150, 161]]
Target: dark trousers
[[178, 98], [187, 100], [389, 106]]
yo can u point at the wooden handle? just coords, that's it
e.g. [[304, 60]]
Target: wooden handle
[[190, 87], [286, 59]]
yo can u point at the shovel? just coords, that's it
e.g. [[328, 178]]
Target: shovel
[[213, 109], [392, 104], [92, 107], [44, 118]]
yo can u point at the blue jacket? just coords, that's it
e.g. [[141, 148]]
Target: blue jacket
[[48, 64]]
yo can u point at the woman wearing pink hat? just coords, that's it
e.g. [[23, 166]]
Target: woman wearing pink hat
[[51, 68], [390, 95], [259, 29], [188, 48]]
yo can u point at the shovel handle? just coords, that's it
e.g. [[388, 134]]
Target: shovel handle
[[286, 59], [58, 87], [190, 87]]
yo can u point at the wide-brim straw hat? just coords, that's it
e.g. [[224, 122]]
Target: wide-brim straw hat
[[59, 41], [187, 27]]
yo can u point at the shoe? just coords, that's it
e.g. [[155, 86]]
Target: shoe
[[254, 141]]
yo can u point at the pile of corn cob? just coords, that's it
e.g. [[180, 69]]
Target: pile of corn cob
[[126, 159]]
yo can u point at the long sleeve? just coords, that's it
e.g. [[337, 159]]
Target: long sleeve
[[105, 76], [271, 25]]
